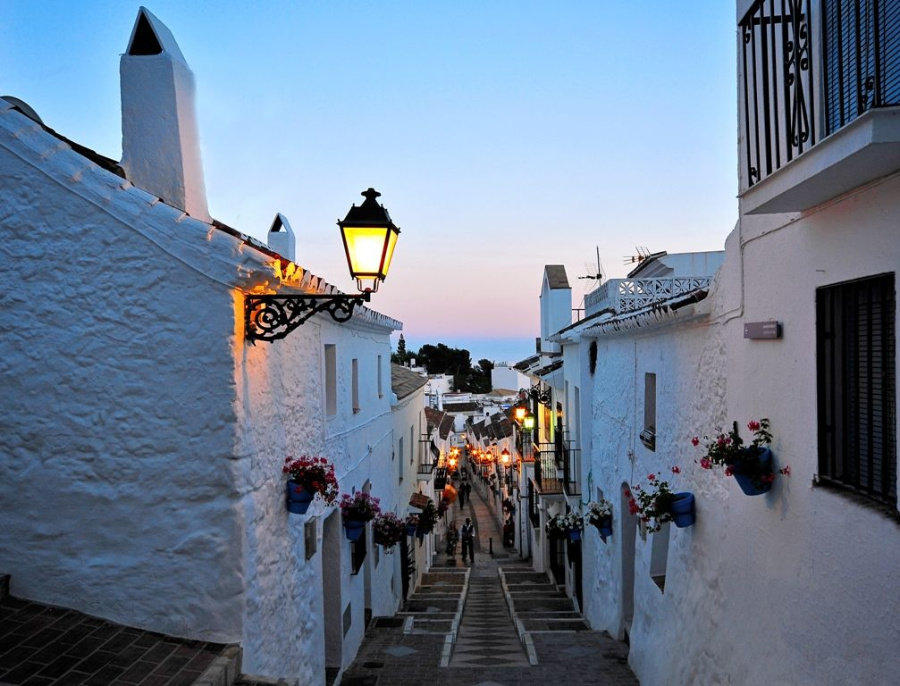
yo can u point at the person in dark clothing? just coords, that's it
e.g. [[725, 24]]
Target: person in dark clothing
[[467, 534]]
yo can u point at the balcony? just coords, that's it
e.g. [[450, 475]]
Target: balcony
[[556, 468], [626, 295], [819, 90]]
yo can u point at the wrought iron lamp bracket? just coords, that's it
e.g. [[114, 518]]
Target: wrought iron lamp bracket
[[272, 317], [542, 396]]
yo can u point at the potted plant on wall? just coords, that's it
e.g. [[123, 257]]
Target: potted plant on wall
[[657, 504], [599, 514], [308, 476], [412, 523], [567, 525], [356, 510], [752, 466], [388, 530], [427, 519]]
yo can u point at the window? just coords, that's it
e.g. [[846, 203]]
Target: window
[[380, 382], [400, 453], [857, 387], [648, 435], [412, 444], [330, 380], [354, 374]]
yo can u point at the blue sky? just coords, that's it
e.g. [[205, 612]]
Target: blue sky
[[503, 135]]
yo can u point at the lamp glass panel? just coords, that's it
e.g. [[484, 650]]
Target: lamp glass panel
[[365, 247]]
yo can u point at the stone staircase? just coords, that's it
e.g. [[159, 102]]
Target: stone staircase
[[537, 605]]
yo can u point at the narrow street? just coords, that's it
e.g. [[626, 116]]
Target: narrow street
[[481, 645]]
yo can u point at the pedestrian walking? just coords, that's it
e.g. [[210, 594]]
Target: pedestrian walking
[[468, 540], [462, 495], [452, 538]]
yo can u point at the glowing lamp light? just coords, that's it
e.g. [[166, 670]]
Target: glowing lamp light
[[528, 423], [452, 461], [369, 240], [504, 456], [520, 414]]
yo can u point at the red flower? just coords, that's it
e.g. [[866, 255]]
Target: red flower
[[728, 471], [705, 463], [720, 440], [651, 477], [786, 470], [627, 493], [676, 470], [696, 441], [753, 425]]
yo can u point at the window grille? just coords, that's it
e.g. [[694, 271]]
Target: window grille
[[855, 334]]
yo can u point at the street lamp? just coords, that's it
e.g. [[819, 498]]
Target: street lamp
[[528, 422], [369, 238], [504, 457]]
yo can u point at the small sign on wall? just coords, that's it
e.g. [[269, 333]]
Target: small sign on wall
[[762, 331]]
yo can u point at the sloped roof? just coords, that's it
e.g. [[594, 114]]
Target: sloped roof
[[433, 417], [101, 183], [404, 382], [526, 363], [543, 371], [556, 276], [445, 426]]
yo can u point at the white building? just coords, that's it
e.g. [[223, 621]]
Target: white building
[[798, 585], [144, 434]]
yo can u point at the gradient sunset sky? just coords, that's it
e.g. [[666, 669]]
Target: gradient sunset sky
[[502, 135]]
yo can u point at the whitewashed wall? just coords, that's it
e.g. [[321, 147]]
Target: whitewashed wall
[[140, 478], [117, 484], [798, 575]]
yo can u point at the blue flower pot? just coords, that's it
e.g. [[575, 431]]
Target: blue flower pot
[[745, 470], [298, 499], [574, 535], [353, 529], [682, 510], [605, 528], [410, 529]]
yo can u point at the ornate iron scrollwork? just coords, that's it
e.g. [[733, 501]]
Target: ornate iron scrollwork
[[542, 396], [271, 317]]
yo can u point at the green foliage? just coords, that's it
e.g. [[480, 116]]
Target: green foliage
[[442, 359]]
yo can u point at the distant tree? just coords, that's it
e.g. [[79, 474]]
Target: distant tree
[[480, 377], [402, 356]]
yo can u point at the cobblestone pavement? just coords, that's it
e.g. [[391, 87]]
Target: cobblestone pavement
[[49, 646], [390, 657]]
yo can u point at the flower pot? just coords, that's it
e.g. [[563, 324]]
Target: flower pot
[[574, 535], [353, 528], [752, 466], [410, 529], [298, 499], [605, 527], [682, 509]]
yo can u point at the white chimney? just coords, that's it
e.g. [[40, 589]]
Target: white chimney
[[160, 144], [281, 237]]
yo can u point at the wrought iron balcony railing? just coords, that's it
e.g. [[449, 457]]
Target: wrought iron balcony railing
[[626, 295], [556, 468], [795, 53]]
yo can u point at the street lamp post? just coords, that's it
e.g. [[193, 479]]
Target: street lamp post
[[369, 238]]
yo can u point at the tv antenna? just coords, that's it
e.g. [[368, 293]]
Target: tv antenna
[[598, 275], [642, 254]]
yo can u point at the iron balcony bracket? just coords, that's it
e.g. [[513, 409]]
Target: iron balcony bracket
[[271, 317]]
